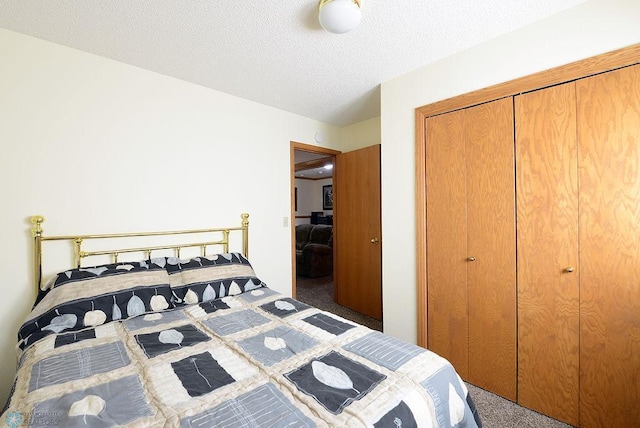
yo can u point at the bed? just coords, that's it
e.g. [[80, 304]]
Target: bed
[[201, 341]]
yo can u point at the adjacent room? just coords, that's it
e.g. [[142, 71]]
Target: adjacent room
[[414, 213]]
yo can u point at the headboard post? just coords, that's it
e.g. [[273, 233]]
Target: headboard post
[[77, 251], [36, 231], [245, 234]]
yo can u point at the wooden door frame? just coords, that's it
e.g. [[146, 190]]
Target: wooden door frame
[[598, 64], [294, 145]]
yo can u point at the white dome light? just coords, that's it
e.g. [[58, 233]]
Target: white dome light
[[339, 16]]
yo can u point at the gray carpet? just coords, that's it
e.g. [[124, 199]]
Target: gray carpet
[[318, 292], [495, 411]]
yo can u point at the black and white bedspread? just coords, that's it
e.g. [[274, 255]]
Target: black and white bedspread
[[249, 357]]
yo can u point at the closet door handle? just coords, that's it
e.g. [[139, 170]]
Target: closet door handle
[[471, 259], [375, 240], [569, 269]]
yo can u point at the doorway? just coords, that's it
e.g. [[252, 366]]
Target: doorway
[[311, 204], [351, 171]]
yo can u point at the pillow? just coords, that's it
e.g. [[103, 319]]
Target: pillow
[[202, 279], [90, 296]]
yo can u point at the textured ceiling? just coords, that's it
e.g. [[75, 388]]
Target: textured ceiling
[[275, 52]]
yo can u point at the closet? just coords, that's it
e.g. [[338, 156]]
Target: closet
[[557, 267], [578, 210], [471, 243]]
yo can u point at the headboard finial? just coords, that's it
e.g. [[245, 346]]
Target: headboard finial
[[245, 234], [37, 221]]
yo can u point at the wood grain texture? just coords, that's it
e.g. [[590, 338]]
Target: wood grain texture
[[491, 278], [447, 239], [624, 376], [358, 277], [547, 212], [576, 70], [421, 231], [609, 174]]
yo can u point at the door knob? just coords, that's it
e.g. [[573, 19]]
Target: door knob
[[374, 240], [569, 269], [472, 259]]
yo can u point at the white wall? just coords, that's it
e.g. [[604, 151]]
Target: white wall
[[361, 134], [305, 199], [310, 197], [589, 29], [99, 146]]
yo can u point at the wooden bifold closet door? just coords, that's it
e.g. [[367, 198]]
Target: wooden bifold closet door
[[548, 269], [578, 217], [471, 270], [608, 107]]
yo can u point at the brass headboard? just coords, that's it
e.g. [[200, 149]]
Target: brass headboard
[[78, 240]]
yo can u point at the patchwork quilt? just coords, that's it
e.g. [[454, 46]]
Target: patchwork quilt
[[253, 359]]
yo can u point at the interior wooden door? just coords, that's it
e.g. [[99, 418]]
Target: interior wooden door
[[471, 283], [547, 245], [609, 173], [491, 241], [357, 231], [448, 323]]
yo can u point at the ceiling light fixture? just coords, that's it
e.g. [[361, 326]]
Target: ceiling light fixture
[[339, 16]]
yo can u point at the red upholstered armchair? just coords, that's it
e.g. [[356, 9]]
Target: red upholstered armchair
[[314, 250]]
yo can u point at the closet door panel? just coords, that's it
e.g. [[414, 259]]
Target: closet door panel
[[491, 241], [609, 173], [447, 240], [548, 278]]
